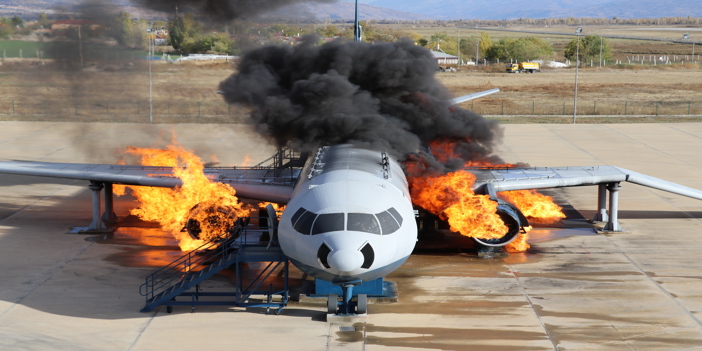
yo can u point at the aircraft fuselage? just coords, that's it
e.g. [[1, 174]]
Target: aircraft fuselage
[[350, 217]]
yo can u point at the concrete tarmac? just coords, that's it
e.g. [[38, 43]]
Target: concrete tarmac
[[575, 289]]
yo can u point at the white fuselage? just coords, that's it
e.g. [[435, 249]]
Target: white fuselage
[[350, 217]]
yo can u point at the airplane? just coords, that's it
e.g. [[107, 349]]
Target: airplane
[[349, 217]]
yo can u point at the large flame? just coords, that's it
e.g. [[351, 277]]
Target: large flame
[[450, 196], [214, 205], [538, 208]]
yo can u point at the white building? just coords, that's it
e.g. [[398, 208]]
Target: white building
[[443, 58]]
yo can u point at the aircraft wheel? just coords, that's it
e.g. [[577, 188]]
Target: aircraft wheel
[[362, 306], [332, 303], [169, 309]]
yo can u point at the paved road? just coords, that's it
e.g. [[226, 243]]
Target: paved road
[[574, 290]]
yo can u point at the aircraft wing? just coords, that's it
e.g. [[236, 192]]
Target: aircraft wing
[[464, 98], [506, 179], [251, 183]]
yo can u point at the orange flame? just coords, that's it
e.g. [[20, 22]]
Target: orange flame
[[538, 208], [198, 196], [451, 197]]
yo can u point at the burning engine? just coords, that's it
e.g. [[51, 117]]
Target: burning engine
[[513, 219], [208, 222]]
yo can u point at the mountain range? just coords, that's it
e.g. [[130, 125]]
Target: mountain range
[[514, 9], [434, 9]]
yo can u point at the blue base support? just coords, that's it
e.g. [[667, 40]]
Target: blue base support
[[373, 288]]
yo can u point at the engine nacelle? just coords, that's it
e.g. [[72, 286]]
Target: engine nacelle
[[207, 222], [513, 219]]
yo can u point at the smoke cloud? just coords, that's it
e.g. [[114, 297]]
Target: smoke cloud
[[384, 95], [224, 10]]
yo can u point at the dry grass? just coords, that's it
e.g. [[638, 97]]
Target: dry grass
[[187, 92]]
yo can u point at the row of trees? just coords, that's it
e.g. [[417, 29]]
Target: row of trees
[[187, 35], [16, 25], [592, 47], [506, 49], [686, 20]]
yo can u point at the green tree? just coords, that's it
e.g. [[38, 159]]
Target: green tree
[[521, 49], [485, 44], [218, 43], [5, 30], [17, 22], [589, 49], [436, 40], [122, 28], [44, 20], [468, 47], [128, 32], [328, 31], [176, 33]]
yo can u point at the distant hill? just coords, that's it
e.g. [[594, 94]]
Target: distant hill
[[346, 11], [426, 9], [338, 10], [514, 9]]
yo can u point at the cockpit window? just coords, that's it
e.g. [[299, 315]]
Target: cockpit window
[[297, 215], [363, 222], [387, 222], [395, 214], [304, 224], [328, 222]]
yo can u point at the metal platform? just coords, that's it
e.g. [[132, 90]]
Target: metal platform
[[244, 244]]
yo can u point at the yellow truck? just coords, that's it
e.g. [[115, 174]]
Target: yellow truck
[[529, 67]]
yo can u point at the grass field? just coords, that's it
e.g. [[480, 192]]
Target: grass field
[[118, 89], [18, 48], [187, 92], [38, 49]]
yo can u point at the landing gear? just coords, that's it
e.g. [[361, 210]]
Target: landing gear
[[332, 303], [347, 306], [362, 304]]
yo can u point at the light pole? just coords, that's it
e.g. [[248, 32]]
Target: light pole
[[151, 81], [577, 63], [356, 26], [477, 52], [458, 43], [600, 50]]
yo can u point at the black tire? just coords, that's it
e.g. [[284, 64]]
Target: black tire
[[332, 303], [169, 309], [362, 305]]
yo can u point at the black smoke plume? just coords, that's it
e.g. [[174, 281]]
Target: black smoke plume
[[223, 10], [384, 95]]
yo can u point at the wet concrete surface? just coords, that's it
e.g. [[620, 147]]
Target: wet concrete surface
[[575, 289]]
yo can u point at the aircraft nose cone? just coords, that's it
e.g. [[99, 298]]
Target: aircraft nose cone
[[346, 260]]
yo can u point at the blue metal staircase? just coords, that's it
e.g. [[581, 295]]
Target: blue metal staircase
[[242, 245]]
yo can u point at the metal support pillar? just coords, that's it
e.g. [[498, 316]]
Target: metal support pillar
[[346, 307], [601, 215], [96, 224], [109, 216], [613, 223]]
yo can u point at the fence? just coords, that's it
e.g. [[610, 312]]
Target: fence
[[123, 111], [588, 108], [220, 112]]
